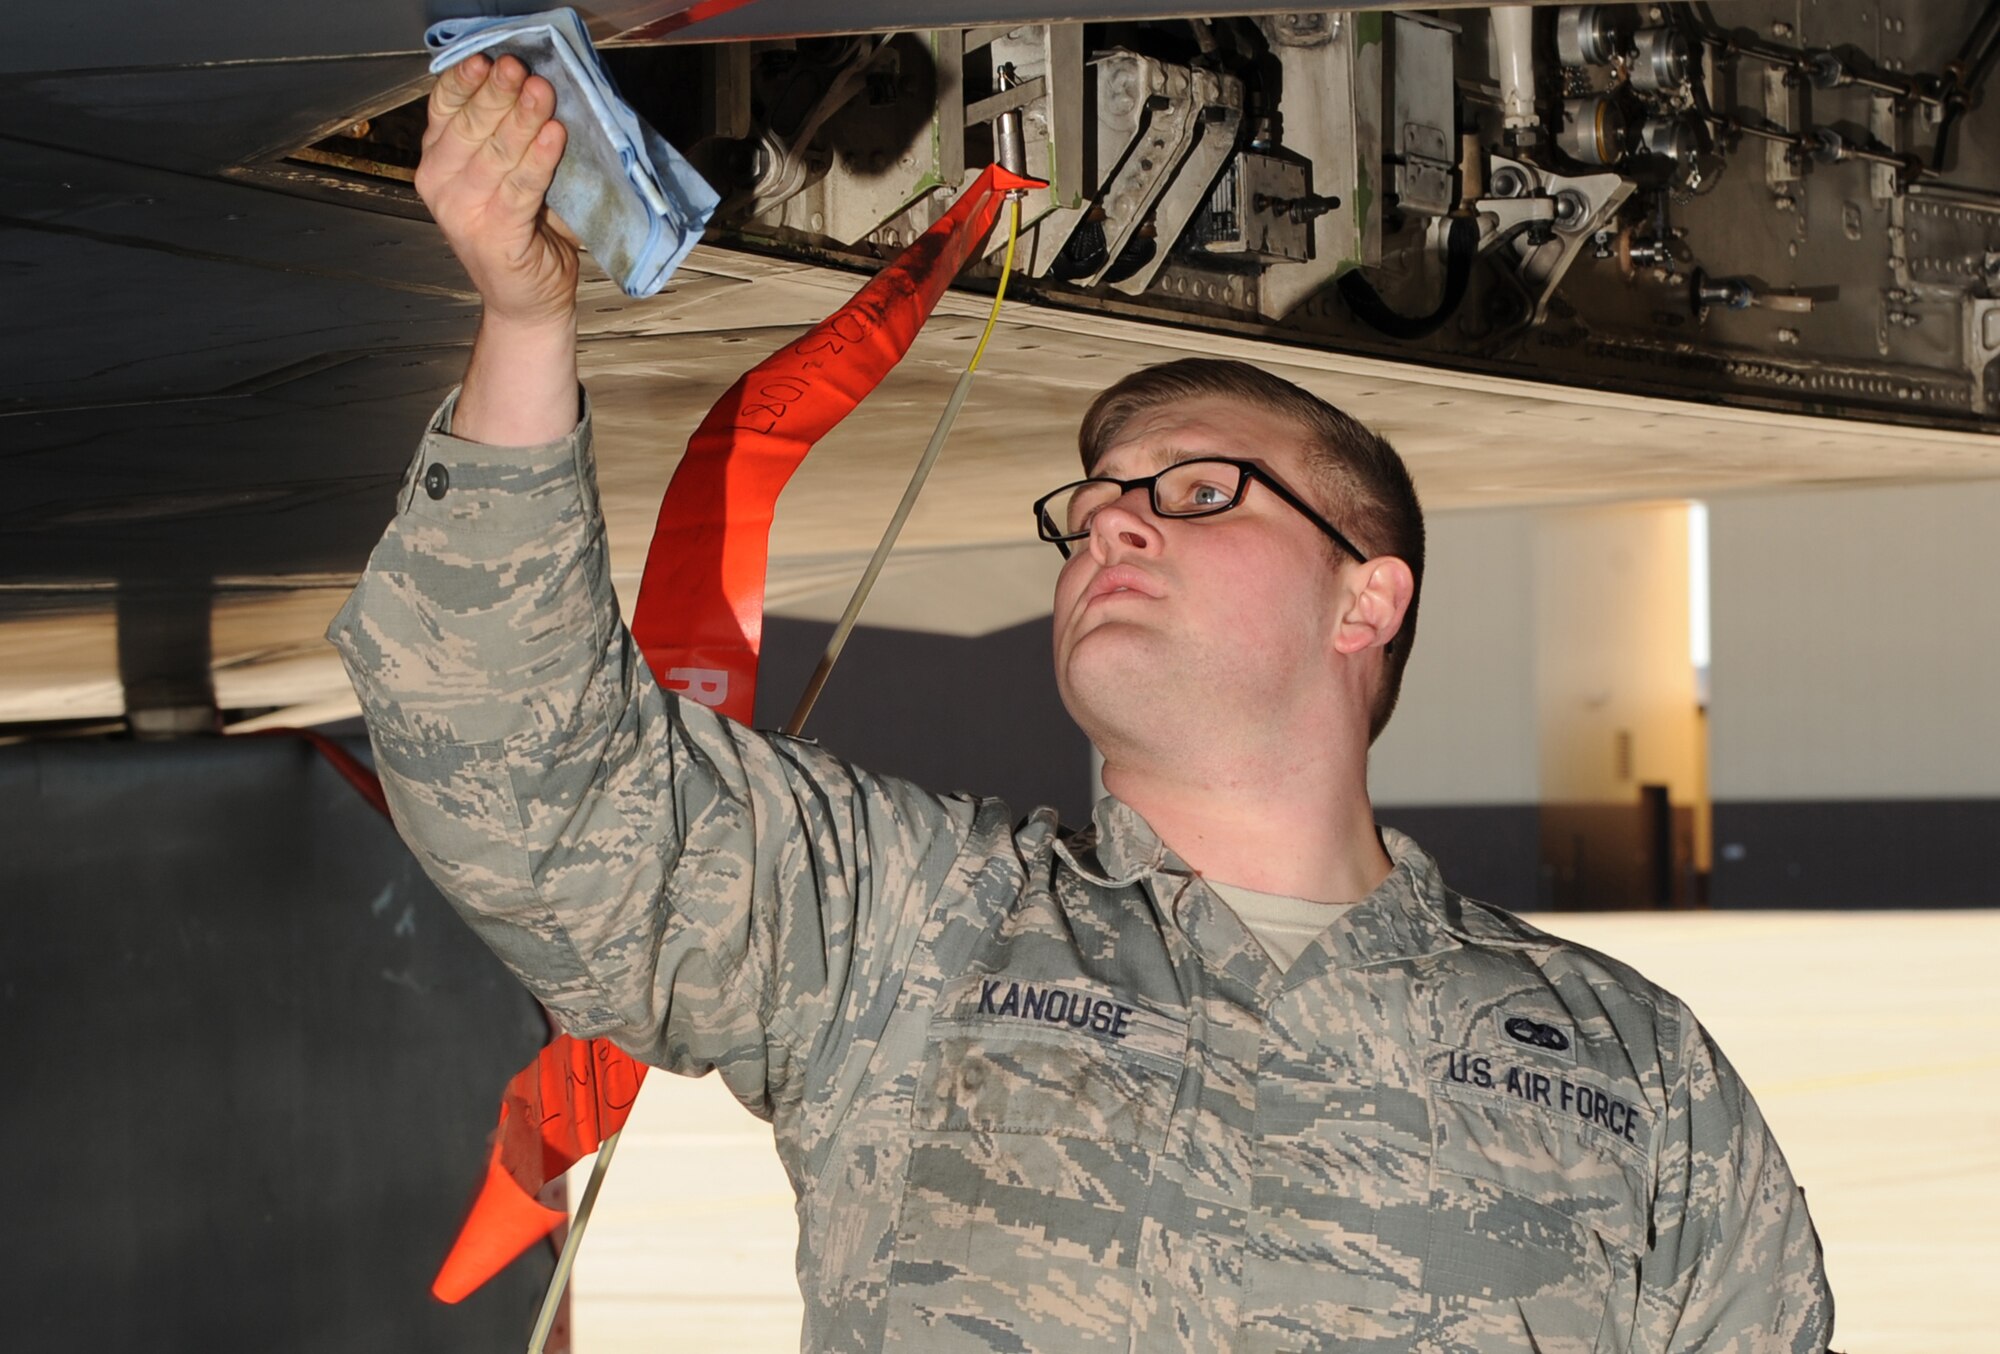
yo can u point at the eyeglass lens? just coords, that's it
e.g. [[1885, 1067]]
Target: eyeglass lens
[[1190, 489]]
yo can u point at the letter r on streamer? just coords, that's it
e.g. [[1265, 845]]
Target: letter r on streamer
[[710, 686]]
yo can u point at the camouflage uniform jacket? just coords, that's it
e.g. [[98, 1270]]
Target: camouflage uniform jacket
[[1040, 1091]]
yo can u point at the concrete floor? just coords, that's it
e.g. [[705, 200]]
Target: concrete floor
[[1871, 1041]]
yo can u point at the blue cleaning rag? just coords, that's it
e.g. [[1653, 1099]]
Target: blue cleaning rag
[[636, 204]]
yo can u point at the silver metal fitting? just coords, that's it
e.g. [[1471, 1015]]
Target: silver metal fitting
[[1593, 131], [1659, 59], [1010, 141], [1586, 35]]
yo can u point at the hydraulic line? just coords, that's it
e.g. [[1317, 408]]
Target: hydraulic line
[[1964, 76], [1461, 246], [566, 1261]]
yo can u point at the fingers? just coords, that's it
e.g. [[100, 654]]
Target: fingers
[[480, 115], [529, 173], [484, 120], [451, 92], [473, 99], [516, 132]]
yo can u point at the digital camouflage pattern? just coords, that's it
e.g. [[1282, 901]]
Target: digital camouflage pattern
[[1039, 1091]]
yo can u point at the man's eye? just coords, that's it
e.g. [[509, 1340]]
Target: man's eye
[[1195, 496]]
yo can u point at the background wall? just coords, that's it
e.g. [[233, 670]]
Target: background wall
[[1459, 767], [975, 714], [1465, 729], [1856, 697], [1849, 751], [1621, 735], [1552, 679], [1615, 682]]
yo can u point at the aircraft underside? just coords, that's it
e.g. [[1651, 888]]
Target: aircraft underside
[[1548, 246], [1724, 202]]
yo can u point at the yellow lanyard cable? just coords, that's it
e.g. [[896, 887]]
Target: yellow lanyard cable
[[1000, 292], [838, 640]]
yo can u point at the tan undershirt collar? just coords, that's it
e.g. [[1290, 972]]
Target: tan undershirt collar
[[1283, 926]]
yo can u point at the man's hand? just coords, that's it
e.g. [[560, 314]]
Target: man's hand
[[490, 151]]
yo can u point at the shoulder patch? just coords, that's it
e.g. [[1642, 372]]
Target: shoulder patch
[[1538, 1034]]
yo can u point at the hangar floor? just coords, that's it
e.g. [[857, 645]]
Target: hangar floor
[[1871, 1040]]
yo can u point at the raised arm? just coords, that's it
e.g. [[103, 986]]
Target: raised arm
[[705, 895], [490, 150]]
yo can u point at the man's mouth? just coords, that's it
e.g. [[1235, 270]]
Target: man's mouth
[[1118, 580]]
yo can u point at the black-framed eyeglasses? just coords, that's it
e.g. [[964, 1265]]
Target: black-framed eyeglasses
[[1201, 487]]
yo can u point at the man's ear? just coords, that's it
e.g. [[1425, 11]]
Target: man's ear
[[1377, 597]]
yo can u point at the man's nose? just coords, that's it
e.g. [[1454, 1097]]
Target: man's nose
[[1127, 523]]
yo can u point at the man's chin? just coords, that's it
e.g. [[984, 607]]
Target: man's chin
[[1112, 689]]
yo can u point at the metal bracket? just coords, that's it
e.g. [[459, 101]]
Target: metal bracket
[[1331, 68], [1571, 208], [1420, 121], [1150, 108], [1308, 28], [1781, 109], [1006, 101], [1500, 217], [1255, 198], [948, 49], [1218, 105], [1051, 96], [1883, 181]]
